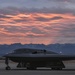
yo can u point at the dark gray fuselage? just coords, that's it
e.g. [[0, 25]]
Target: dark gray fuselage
[[39, 58]]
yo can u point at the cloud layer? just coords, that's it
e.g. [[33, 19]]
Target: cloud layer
[[50, 22]]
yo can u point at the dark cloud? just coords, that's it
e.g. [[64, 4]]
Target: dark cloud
[[56, 18], [1, 20], [15, 10], [33, 35], [62, 1], [9, 11], [67, 30], [10, 29], [23, 29], [48, 19], [21, 20], [42, 19], [37, 30]]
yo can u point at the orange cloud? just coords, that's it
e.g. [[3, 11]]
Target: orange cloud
[[36, 25]]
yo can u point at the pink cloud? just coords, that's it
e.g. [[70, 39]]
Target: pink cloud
[[44, 27]]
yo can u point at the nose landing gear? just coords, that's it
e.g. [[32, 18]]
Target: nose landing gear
[[7, 62], [8, 68]]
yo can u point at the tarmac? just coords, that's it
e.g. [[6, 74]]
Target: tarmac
[[69, 70]]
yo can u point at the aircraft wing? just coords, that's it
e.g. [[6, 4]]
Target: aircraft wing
[[44, 56]]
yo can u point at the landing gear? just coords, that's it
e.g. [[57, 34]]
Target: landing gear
[[56, 65], [6, 62], [7, 68], [30, 66], [19, 65], [56, 68]]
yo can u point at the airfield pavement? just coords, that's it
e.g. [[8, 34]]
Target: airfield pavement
[[69, 70]]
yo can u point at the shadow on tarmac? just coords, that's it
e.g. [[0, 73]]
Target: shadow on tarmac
[[44, 70]]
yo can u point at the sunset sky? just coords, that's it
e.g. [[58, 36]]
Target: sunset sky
[[37, 21]]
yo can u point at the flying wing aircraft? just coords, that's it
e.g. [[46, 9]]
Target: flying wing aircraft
[[33, 58]]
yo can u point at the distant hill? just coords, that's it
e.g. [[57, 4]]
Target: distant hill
[[59, 48]]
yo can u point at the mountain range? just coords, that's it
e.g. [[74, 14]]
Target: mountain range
[[59, 48]]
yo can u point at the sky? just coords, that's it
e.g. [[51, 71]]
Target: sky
[[37, 21]]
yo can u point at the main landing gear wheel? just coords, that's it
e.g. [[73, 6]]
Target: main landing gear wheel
[[8, 68], [56, 68], [30, 66]]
